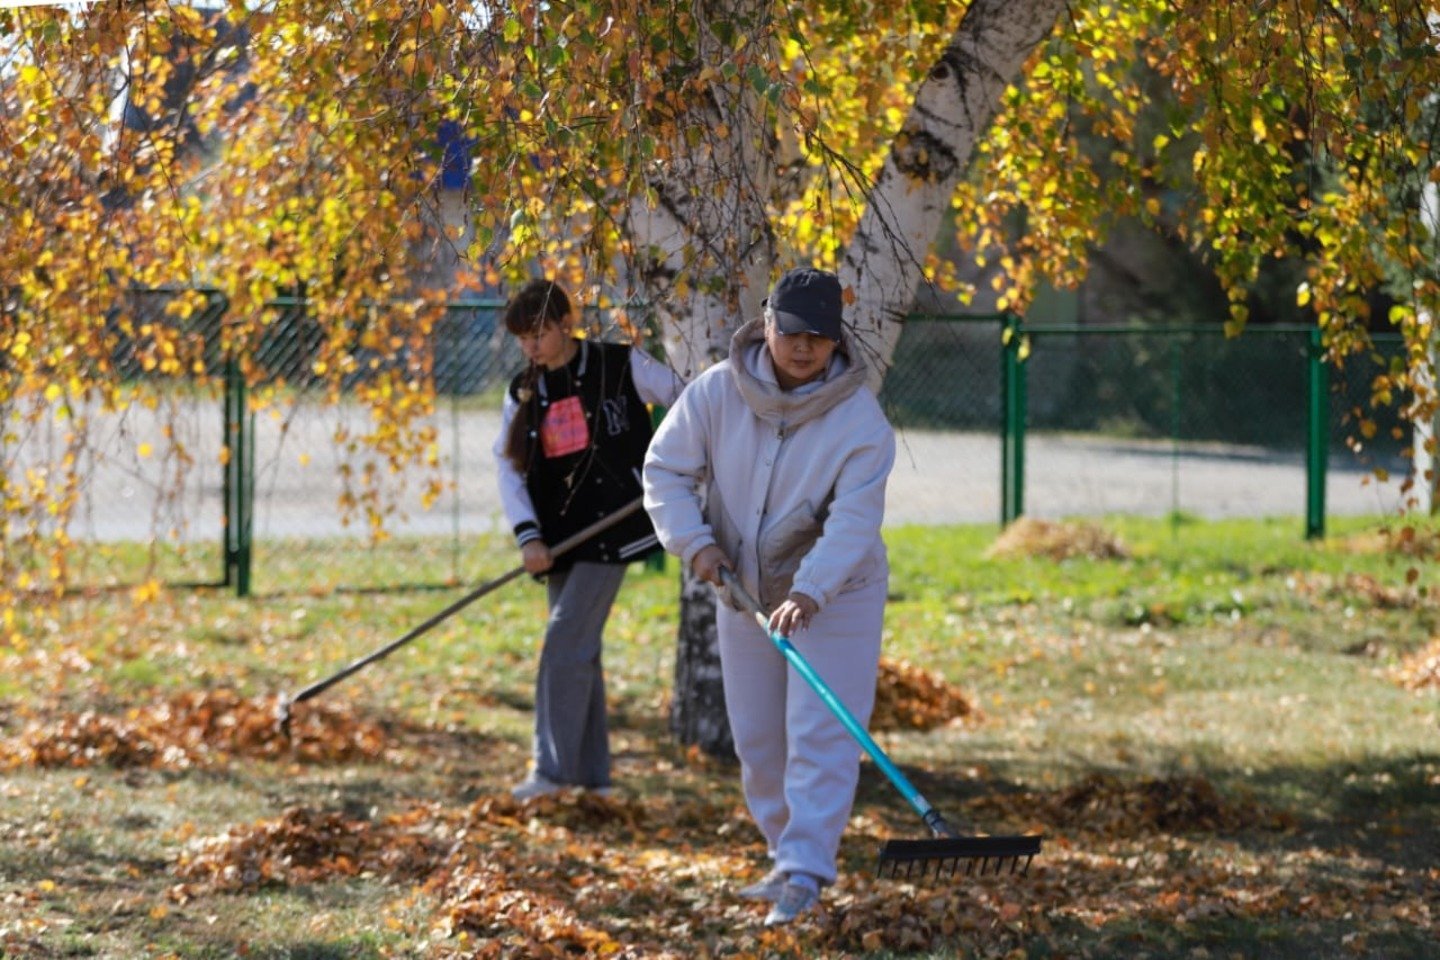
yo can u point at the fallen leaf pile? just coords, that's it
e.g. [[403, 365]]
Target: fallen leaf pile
[[909, 698], [1033, 537], [194, 729], [1420, 670], [579, 875], [1108, 806], [306, 846]]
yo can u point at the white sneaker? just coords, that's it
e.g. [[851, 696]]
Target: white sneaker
[[795, 899], [535, 785], [766, 888]]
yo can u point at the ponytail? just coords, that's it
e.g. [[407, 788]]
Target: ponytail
[[537, 303]]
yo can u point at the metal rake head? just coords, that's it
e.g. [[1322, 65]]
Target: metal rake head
[[944, 857]]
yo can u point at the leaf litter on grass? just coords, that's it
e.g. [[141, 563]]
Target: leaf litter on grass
[[206, 728], [1126, 860], [576, 874]]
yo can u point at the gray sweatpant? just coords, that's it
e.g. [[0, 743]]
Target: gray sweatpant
[[798, 764], [572, 739]]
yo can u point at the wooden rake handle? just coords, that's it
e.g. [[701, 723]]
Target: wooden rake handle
[[283, 707]]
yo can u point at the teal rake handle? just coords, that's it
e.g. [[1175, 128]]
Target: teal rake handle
[[929, 814]]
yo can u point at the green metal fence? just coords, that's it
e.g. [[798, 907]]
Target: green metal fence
[[1184, 383], [1267, 394], [261, 476]]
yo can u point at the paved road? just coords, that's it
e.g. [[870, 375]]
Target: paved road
[[944, 478], [938, 478]]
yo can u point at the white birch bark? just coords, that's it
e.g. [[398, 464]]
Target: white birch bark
[[1424, 411], [702, 236], [907, 205], [706, 224], [703, 247]]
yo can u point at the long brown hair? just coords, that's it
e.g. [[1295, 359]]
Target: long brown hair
[[537, 303]]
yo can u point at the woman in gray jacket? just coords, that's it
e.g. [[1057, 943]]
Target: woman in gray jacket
[[773, 464]]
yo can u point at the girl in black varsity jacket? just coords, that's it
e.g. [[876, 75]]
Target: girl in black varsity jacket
[[573, 436]]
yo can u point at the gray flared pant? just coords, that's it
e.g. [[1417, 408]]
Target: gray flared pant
[[572, 738]]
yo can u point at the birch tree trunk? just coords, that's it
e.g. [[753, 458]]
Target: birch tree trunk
[[1424, 410], [704, 249], [707, 222], [907, 205]]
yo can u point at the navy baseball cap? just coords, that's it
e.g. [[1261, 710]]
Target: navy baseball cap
[[807, 300]]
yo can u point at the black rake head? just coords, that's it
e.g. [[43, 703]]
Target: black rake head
[[946, 856]]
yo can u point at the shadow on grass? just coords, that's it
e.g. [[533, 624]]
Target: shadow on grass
[[1235, 938], [1383, 811]]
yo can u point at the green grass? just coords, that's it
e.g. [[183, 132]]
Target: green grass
[[1234, 654]]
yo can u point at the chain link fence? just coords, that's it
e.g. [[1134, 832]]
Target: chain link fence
[[240, 481], [1250, 425]]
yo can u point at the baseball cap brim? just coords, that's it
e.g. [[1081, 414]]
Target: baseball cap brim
[[793, 323]]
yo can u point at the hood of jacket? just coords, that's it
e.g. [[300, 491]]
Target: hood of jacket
[[790, 407]]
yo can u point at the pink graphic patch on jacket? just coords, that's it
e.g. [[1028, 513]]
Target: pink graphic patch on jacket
[[564, 430]]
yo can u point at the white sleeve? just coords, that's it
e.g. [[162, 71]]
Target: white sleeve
[[676, 465], [656, 382], [514, 495]]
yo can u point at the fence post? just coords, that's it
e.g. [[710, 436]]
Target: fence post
[[1012, 421], [238, 486], [1317, 437], [1177, 397]]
